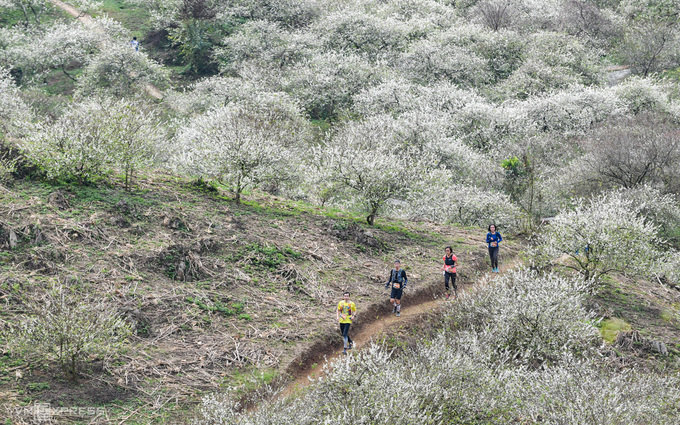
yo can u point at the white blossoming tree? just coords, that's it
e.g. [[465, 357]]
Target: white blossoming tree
[[599, 236], [120, 71], [13, 111], [239, 145], [67, 327], [442, 197], [95, 137], [367, 159], [326, 83], [354, 30], [58, 47]]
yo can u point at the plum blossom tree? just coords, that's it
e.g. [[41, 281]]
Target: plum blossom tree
[[442, 197], [367, 159], [239, 145], [57, 47], [94, 137], [646, 95], [397, 95], [651, 35], [117, 70], [326, 83], [355, 30], [427, 61], [599, 236], [572, 112], [263, 44], [215, 92], [14, 118], [67, 327], [14, 113], [291, 13]]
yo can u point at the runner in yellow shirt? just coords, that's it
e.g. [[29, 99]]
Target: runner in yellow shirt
[[345, 313]]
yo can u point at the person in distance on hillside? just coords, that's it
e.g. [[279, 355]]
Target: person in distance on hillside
[[449, 268], [345, 313], [493, 238], [398, 282], [134, 44]]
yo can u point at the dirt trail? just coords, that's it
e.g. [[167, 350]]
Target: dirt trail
[[83, 17], [376, 326], [363, 337]]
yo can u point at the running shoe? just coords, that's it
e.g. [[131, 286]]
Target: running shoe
[[398, 313], [447, 296], [351, 345], [344, 352], [394, 310]]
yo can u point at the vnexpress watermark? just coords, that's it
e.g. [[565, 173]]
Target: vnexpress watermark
[[45, 412]]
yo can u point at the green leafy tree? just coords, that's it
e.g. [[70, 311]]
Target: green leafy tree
[[196, 34]]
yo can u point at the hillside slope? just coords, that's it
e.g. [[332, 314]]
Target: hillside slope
[[216, 292]]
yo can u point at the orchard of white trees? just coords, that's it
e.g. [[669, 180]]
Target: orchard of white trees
[[464, 112], [467, 112]]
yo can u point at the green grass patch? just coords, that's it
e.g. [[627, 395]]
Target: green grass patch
[[609, 328], [215, 305], [247, 380], [58, 83], [133, 16], [668, 316], [37, 386], [673, 74], [264, 257], [10, 17]]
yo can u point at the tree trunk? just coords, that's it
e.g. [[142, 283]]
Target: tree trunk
[[371, 216]]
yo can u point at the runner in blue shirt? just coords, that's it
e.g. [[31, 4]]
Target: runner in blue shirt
[[493, 238]]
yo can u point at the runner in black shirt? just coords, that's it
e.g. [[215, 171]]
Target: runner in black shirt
[[397, 281]]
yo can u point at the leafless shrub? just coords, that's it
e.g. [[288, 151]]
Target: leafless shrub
[[650, 46], [584, 19], [628, 152], [66, 326], [495, 14]]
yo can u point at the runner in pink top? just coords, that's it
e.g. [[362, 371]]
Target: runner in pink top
[[449, 268]]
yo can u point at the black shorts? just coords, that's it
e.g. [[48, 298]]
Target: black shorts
[[396, 293]]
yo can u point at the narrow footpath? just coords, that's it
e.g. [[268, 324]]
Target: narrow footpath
[[379, 325], [86, 19]]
